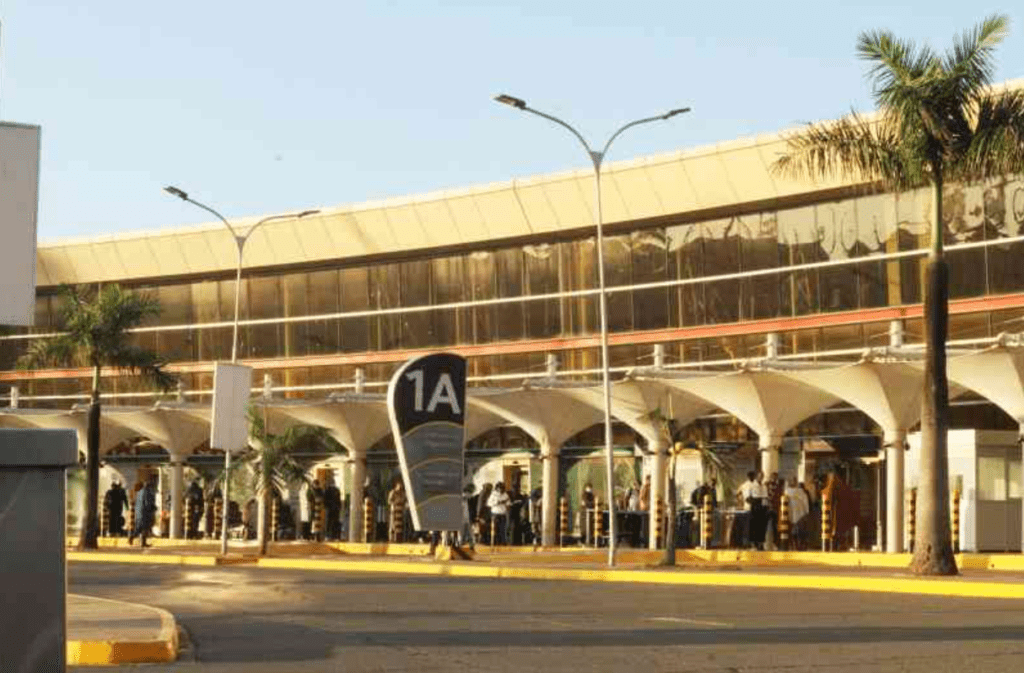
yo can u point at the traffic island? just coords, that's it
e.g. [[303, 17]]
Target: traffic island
[[103, 632]]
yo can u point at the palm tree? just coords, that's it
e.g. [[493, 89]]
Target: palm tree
[[939, 118], [713, 464], [275, 466], [94, 331]]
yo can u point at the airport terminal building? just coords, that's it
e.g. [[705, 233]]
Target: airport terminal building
[[719, 272]]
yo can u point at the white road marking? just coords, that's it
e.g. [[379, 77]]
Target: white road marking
[[681, 620]]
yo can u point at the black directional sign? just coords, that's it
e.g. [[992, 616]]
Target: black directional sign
[[427, 405]]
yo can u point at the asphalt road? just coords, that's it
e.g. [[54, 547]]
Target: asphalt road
[[244, 619]]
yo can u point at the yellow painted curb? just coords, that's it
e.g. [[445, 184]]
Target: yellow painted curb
[[116, 652], [935, 587], [161, 559]]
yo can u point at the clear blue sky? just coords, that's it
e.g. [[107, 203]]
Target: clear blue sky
[[260, 107]]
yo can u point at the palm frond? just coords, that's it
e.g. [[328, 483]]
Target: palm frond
[[971, 61], [851, 148], [57, 351], [142, 361], [997, 144]]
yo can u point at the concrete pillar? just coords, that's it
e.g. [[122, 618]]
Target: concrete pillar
[[360, 380], [659, 454], [355, 510], [771, 345], [769, 446], [659, 356], [549, 495], [1020, 456], [15, 396], [896, 333], [894, 442], [177, 478], [551, 365]]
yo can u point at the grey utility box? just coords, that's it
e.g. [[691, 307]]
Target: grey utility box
[[33, 580]]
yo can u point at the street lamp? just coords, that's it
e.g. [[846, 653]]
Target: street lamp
[[596, 158], [240, 241]]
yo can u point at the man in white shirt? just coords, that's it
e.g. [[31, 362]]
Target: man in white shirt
[[746, 494], [499, 502], [799, 507], [758, 511]]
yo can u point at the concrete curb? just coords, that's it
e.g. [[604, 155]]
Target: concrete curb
[[1009, 562], [162, 559], [116, 652], [952, 587]]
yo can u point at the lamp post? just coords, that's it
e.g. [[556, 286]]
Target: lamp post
[[597, 158], [240, 241]]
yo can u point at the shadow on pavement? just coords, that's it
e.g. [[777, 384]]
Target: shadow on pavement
[[273, 641]]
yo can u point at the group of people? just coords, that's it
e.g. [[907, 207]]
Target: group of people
[[143, 497], [513, 516], [762, 501]]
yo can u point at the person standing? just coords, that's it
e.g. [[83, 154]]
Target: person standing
[[194, 497], [332, 504], [746, 496], [587, 504], [499, 504], [537, 515], [759, 512], [645, 494], [468, 511], [116, 500], [483, 514], [145, 512], [799, 507], [775, 487]]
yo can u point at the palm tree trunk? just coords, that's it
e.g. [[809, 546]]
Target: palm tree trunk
[[933, 548], [88, 538], [262, 509], [670, 527]]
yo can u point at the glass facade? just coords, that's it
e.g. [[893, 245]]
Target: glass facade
[[835, 256]]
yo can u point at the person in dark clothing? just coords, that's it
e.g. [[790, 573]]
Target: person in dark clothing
[[707, 488], [116, 499], [332, 504], [587, 503], [483, 514], [145, 512], [536, 515], [194, 497]]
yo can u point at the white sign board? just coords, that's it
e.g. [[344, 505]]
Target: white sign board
[[19, 198], [229, 423]]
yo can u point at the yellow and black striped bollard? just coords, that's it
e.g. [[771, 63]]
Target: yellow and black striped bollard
[[826, 521], [707, 523], [105, 520], [189, 511], [784, 523], [563, 520], [598, 524], [398, 521], [659, 523], [911, 518], [368, 532], [218, 517], [955, 527]]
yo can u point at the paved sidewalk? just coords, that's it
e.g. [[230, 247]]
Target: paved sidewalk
[[105, 632]]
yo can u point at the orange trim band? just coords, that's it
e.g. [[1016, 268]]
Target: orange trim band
[[956, 307]]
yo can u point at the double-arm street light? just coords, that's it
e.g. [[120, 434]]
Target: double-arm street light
[[596, 158], [240, 241]]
